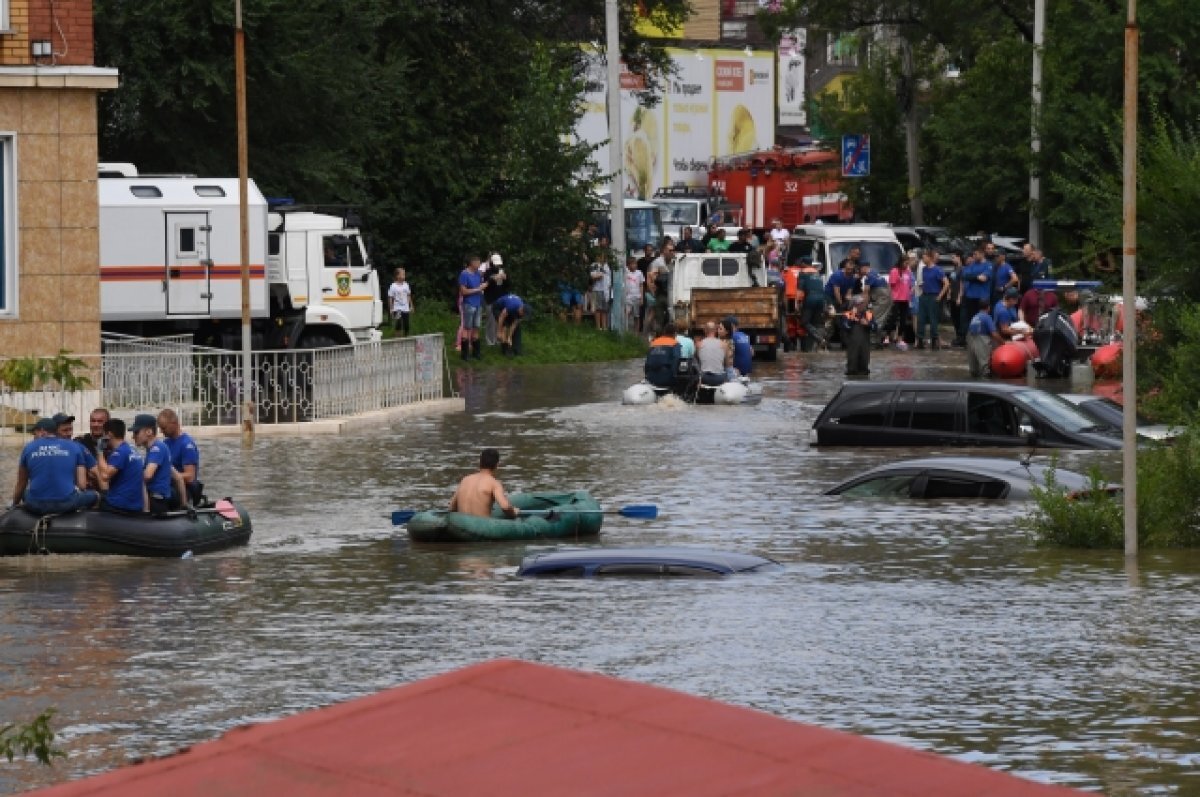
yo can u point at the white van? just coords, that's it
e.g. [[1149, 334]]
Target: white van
[[827, 245]]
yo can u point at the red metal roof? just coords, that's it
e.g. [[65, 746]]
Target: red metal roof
[[515, 728]]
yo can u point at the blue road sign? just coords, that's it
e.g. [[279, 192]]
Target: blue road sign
[[856, 155]]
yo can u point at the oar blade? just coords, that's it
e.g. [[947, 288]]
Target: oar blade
[[640, 511], [402, 516]]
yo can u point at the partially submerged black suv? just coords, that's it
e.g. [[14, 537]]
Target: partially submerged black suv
[[956, 414]]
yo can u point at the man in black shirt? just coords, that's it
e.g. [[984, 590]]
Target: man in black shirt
[[742, 244]]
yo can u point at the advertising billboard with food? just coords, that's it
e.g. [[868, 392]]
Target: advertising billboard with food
[[719, 102]]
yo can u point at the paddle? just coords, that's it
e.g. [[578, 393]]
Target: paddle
[[640, 511]]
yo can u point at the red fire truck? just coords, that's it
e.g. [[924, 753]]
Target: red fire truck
[[796, 186]]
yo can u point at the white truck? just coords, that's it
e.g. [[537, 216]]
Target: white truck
[[170, 262], [713, 285]]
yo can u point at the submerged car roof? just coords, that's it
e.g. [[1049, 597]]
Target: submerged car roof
[[991, 387], [999, 467], [717, 561]]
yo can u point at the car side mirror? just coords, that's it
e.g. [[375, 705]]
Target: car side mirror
[[1027, 431]]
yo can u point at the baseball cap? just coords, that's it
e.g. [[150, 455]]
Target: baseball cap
[[61, 418], [45, 425], [497, 260], [143, 421]]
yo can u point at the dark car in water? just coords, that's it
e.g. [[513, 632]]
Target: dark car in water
[[959, 477], [956, 414], [685, 562]]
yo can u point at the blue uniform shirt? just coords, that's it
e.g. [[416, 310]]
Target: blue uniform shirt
[[1003, 315], [160, 483], [974, 289], [50, 463], [467, 279], [840, 280], [1003, 275], [125, 488], [512, 303], [872, 281], [981, 324], [743, 352], [89, 461], [931, 280], [183, 452]]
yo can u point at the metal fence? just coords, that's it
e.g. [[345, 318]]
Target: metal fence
[[205, 385]]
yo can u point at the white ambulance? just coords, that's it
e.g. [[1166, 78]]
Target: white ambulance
[[170, 262]]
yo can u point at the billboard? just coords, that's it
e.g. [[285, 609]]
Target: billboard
[[719, 102], [791, 78]]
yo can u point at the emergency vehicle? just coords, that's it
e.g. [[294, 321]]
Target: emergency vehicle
[[797, 186], [170, 262]]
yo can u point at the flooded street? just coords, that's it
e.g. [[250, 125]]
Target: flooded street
[[934, 624]]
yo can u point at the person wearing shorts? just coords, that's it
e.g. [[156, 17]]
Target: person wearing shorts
[[470, 290], [601, 289]]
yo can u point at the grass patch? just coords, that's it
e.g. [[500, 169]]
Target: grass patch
[[1168, 505], [546, 340]]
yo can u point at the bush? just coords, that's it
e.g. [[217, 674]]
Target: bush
[[36, 738], [1168, 504]]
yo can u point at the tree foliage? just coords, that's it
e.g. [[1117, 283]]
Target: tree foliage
[[441, 119]]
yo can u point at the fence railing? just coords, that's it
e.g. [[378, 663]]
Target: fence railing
[[205, 385]]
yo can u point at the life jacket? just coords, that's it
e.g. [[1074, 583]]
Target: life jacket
[[791, 282], [662, 362]]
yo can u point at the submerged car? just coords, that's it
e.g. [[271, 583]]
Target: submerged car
[[959, 477], [685, 562], [956, 414], [1106, 411]]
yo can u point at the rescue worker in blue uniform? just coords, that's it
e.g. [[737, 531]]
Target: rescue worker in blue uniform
[[981, 334], [51, 478], [510, 310], [124, 469]]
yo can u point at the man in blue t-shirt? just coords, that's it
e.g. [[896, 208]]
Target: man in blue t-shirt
[[123, 468], [1005, 313], [981, 334], [470, 293], [509, 310], [185, 457], [934, 287], [51, 479], [1005, 277], [163, 482], [976, 285], [66, 431]]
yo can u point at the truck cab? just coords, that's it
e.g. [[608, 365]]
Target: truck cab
[[317, 263]]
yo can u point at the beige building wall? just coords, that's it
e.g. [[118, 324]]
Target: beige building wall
[[58, 277]]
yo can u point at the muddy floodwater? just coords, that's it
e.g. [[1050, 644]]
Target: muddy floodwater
[[935, 625]]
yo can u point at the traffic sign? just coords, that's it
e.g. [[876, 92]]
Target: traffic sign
[[856, 155]]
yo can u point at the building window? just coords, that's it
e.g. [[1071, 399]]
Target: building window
[[8, 224]]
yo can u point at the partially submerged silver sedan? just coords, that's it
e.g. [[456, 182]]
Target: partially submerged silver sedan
[[960, 477]]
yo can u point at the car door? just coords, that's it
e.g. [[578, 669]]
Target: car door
[[856, 418], [926, 417], [992, 420]]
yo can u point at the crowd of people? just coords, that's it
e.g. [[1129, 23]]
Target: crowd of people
[[112, 467]]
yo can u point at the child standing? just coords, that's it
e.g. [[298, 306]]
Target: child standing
[[401, 302]]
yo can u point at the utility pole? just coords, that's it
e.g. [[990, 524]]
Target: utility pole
[[1129, 281], [616, 197], [239, 48], [1035, 141]]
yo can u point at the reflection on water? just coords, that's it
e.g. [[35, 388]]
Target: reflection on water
[[935, 625]]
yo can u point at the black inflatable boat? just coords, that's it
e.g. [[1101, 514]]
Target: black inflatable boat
[[203, 530]]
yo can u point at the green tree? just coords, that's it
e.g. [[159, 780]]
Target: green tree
[[423, 113]]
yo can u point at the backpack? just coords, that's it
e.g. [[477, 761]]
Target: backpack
[[661, 365]]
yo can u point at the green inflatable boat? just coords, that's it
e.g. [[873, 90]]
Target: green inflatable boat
[[559, 516]]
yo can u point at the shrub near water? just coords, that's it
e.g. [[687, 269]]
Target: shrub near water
[[1168, 504]]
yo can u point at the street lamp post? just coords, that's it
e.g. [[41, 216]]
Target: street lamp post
[[616, 196], [1129, 281], [1035, 142]]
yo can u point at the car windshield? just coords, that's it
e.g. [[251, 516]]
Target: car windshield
[[642, 226], [1058, 411], [1112, 412], [882, 255], [679, 212]]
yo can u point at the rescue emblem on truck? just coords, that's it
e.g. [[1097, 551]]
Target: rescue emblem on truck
[[343, 283]]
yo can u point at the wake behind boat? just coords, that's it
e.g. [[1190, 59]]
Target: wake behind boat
[[736, 391], [94, 531]]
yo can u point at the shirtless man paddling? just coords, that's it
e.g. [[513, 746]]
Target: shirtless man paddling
[[476, 493]]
